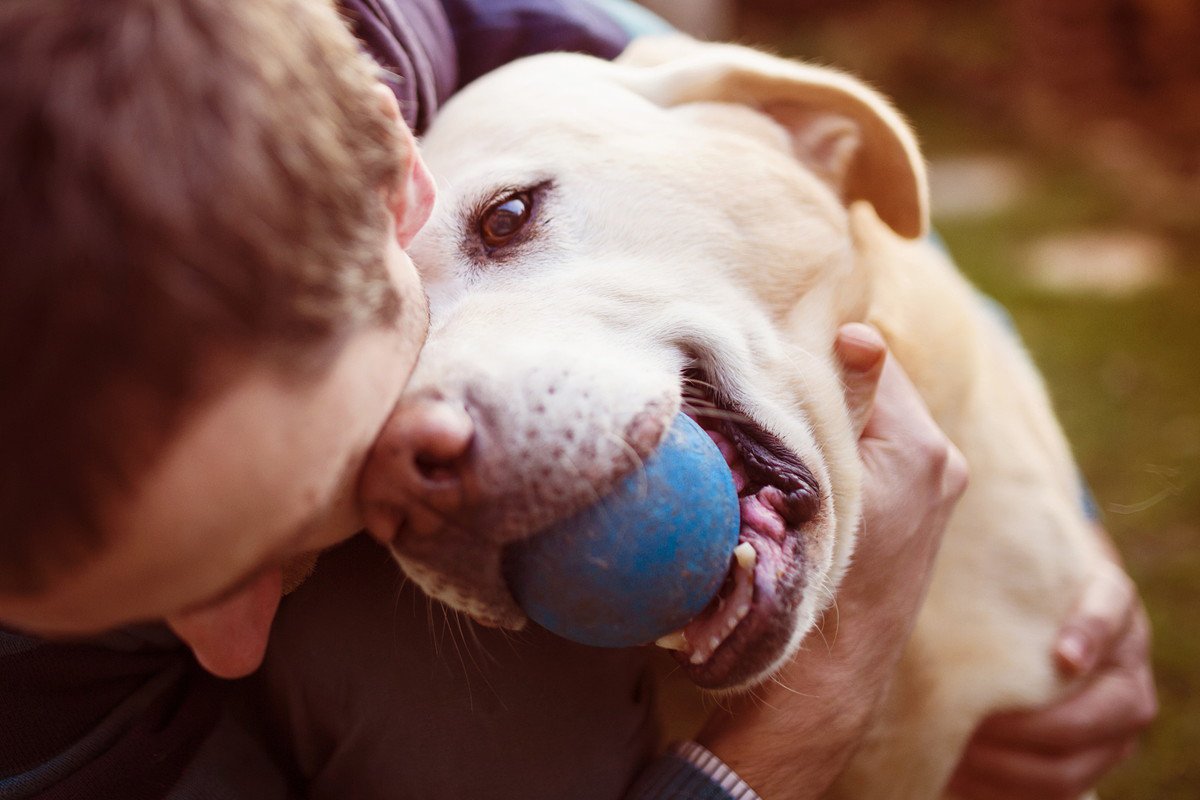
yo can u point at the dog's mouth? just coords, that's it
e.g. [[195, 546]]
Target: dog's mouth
[[747, 626]]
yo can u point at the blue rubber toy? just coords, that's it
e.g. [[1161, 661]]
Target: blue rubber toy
[[642, 561]]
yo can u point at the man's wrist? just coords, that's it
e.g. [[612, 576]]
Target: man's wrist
[[717, 770], [815, 758], [819, 724], [689, 771]]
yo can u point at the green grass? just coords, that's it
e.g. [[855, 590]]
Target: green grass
[[1125, 377]]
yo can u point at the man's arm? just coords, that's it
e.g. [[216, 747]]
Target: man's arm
[[1062, 750], [430, 48], [792, 737], [490, 33], [1057, 751]]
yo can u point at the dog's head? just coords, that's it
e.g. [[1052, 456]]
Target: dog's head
[[614, 242]]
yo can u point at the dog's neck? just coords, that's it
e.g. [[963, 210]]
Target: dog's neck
[[914, 295]]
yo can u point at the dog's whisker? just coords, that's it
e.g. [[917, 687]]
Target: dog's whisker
[[689, 381], [511, 638], [597, 495], [480, 646], [699, 401], [441, 632], [458, 651], [760, 700], [690, 395], [714, 412], [620, 441], [429, 626], [825, 636], [779, 682], [465, 626], [718, 699]]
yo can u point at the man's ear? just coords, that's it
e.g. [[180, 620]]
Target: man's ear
[[390, 107], [388, 103], [411, 199], [843, 130]]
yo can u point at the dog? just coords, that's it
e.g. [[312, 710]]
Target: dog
[[686, 228]]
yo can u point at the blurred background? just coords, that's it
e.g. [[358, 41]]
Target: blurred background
[[1064, 146]]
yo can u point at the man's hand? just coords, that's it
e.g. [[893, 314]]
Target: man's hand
[[1062, 750], [792, 737]]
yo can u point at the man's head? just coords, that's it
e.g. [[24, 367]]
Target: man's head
[[206, 313]]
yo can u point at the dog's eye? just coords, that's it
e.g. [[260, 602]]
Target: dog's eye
[[505, 218]]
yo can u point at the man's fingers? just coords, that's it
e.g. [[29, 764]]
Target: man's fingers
[[1064, 748], [1117, 705], [1100, 617], [862, 352], [994, 773], [899, 414]]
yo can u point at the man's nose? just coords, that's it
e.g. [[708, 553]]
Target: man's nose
[[421, 471], [229, 637]]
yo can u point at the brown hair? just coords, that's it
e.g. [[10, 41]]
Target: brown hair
[[181, 178]]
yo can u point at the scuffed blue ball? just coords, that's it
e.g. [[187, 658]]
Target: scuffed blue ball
[[642, 561]]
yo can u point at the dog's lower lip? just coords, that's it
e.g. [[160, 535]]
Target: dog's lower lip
[[778, 497], [762, 632]]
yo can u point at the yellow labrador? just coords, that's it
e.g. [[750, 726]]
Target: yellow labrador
[[686, 228]]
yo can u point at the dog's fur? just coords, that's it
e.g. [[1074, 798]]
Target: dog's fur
[[715, 206]]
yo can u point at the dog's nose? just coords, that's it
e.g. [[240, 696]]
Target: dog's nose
[[418, 471]]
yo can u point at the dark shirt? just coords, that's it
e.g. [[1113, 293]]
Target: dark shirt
[[117, 716], [433, 48], [375, 692]]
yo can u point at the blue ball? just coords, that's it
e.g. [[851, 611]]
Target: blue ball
[[645, 559]]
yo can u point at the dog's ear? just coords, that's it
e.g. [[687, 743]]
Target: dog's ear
[[846, 132]]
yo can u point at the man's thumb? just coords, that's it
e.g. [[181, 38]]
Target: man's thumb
[[1100, 616], [861, 350]]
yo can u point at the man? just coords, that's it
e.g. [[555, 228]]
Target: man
[[207, 317]]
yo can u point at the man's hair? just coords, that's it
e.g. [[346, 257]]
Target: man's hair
[[180, 180]]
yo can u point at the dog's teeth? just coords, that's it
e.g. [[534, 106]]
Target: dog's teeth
[[742, 611], [714, 642], [673, 641], [746, 556], [698, 657], [730, 624]]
